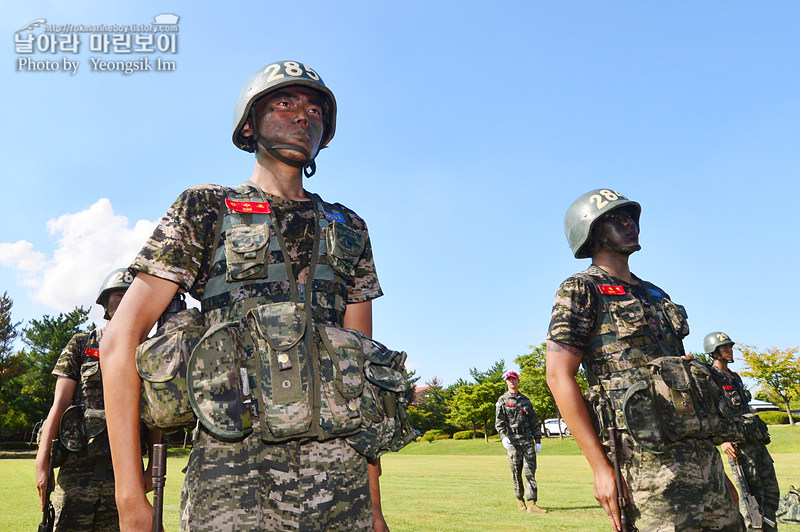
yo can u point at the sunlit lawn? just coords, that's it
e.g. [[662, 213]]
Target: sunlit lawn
[[442, 486]]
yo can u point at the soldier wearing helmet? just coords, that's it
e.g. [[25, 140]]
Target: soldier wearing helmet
[[84, 493], [518, 427], [614, 324], [275, 267], [756, 462]]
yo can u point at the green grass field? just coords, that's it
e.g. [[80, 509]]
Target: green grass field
[[441, 486]]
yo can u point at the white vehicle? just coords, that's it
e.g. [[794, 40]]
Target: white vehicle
[[550, 427]]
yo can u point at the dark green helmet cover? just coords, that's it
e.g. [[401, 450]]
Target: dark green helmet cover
[[270, 78], [584, 212], [715, 339]]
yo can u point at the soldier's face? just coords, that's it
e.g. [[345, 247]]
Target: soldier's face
[[292, 115], [513, 385], [726, 352], [618, 230], [114, 298]]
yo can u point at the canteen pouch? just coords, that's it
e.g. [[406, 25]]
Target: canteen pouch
[[72, 431], [161, 362], [639, 416], [282, 369], [214, 380], [341, 369], [97, 444], [345, 246], [245, 252], [385, 424]]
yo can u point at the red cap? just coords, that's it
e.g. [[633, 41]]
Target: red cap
[[512, 375]]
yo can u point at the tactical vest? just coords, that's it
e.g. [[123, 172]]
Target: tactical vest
[[83, 425], [639, 378], [733, 387]]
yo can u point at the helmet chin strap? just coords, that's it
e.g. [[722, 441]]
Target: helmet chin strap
[[625, 250], [309, 166]]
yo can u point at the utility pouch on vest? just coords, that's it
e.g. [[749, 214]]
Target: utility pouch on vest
[[689, 404], [627, 317], [161, 363], [215, 385], [754, 430], [345, 246], [384, 408], [97, 444], [282, 369], [677, 317], [341, 363], [91, 381], [245, 252], [72, 431]]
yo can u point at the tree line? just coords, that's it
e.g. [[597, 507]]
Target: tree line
[[27, 385]]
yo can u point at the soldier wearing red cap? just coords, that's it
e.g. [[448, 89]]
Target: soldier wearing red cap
[[518, 426]]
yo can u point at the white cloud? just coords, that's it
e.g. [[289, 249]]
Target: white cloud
[[88, 245]]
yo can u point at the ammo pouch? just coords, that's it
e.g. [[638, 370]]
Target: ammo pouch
[[686, 402], [385, 424], [84, 430], [217, 382], [246, 248], [161, 362], [345, 246]]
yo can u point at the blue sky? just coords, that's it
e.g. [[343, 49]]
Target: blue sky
[[465, 130]]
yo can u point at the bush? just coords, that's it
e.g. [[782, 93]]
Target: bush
[[428, 437], [444, 436], [436, 433], [467, 435], [777, 418]]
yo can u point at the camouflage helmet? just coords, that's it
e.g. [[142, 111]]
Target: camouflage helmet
[[119, 279], [271, 78], [715, 339], [585, 211]]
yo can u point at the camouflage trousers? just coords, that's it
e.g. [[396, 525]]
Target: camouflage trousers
[[760, 475], [83, 498], [682, 489], [522, 460], [250, 485]]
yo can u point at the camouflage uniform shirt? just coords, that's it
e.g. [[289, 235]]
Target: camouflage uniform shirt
[[670, 491], [249, 484]]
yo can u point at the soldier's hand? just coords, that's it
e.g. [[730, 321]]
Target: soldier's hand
[[538, 448], [42, 478], [135, 517], [605, 491], [729, 449]]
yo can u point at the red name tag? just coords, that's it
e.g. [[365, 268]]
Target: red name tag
[[727, 387], [93, 352], [248, 206], [609, 290]]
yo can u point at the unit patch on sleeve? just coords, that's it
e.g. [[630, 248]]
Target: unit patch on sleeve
[[656, 292], [93, 352], [334, 216]]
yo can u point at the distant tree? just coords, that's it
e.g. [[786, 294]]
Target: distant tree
[[8, 329], [494, 374], [431, 408], [705, 358], [776, 370], [533, 381], [44, 340], [10, 370], [411, 384], [472, 405]]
